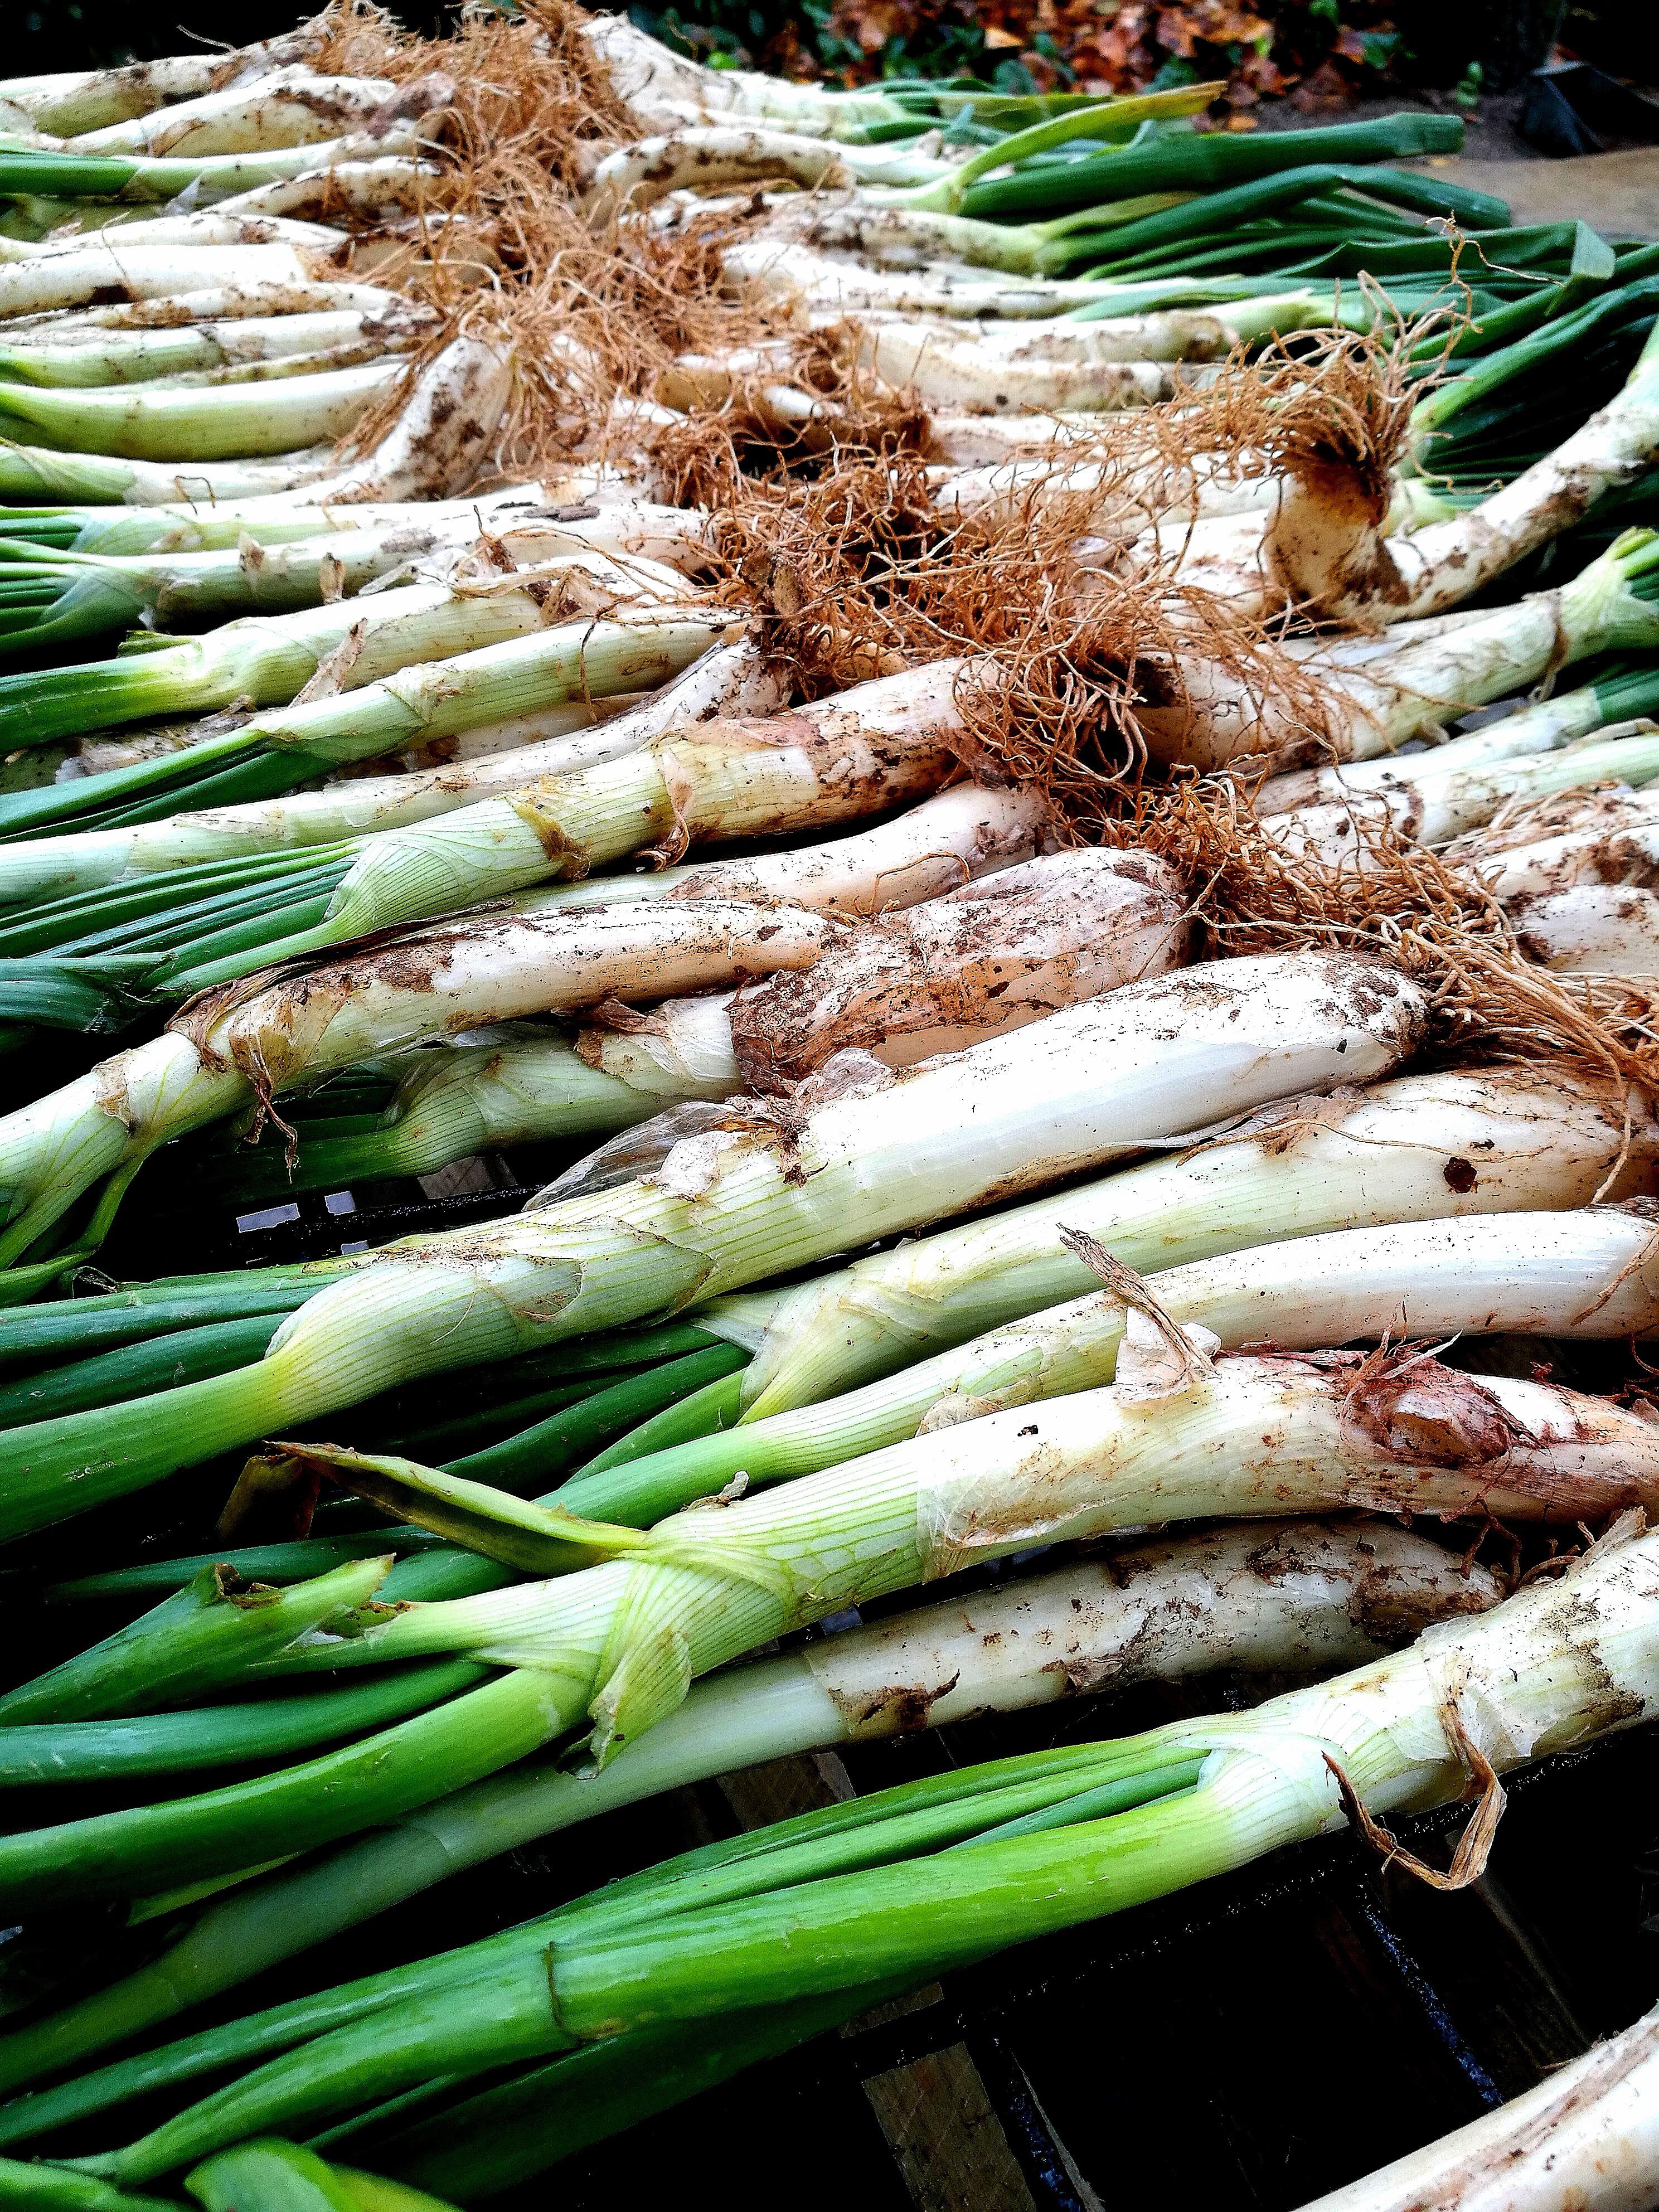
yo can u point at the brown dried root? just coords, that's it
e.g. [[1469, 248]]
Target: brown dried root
[[1474, 1846], [1400, 899]]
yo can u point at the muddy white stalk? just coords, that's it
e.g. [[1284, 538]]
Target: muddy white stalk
[[444, 433], [982, 961], [1598, 929], [1373, 706], [1443, 563], [1423, 1147], [92, 100], [1001, 491], [373, 187], [290, 107], [1539, 727], [916, 983], [907, 238], [1585, 2140], [961, 440], [665, 90], [1078, 1088], [210, 303], [1434, 808], [818, 285], [1592, 1273], [94, 275], [115, 357], [515, 1089], [943, 374], [699, 155], [207, 227], [1607, 837], [853, 755], [1024, 366], [1266, 1597], [441, 984], [950, 839], [501, 687]]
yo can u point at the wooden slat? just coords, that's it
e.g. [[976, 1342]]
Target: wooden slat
[[945, 2136]]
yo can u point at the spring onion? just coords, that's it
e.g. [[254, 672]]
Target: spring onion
[[1078, 1088]]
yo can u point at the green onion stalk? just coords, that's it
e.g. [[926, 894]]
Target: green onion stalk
[[1154, 215], [1067, 928], [29, 474], [442, 437], [137, 178], [81, 595], [1475, 406], [724, 1209], [1328, 550], [354, 175], [858, 754], [1202, 163], [1375, 704], [907, 988], [268, 2175], [1399, 1154], [1330, 235], [1179, 1435], [603, 1403], [209, 304], [217, 226], [219, 527], [1027, 367], [1364, 1276], [1602, 708], [1442, 562], [1423, 1279], [847, 758], [664, 90], [513, 690], [1279, 1596], [822, 285], [491, 1401], [1455, 547], [1421, 1148], [1433, 809], [872, 1895], [699, 155], [46, 356], [267, 659], [76, 1326], [521, 1087], [255, 1046]]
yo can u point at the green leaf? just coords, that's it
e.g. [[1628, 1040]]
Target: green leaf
[[55, 2189], [537, 1540]]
